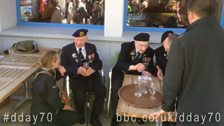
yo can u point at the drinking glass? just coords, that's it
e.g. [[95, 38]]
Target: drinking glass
[[138, 86], [11, 52], [144, 84], [152, 88]]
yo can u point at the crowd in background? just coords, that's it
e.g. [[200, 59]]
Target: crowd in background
[[139, 6], [68, 11], [155, 13]]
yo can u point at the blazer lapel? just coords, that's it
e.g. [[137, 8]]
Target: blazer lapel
[[75, 54], [90, 54]]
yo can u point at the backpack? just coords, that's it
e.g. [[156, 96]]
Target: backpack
[[27, 46]]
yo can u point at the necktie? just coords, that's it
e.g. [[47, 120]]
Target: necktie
[[80, 55], [138, 57]]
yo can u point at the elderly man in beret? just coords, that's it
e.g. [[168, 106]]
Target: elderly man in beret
[[130, 61], [82, 64], [161, 52]]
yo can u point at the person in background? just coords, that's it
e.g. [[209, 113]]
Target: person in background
[[193, 83], [170, 23], [82, 64], [46, 104], [58, 16], [130, 61], [46, 9], [161, 52]]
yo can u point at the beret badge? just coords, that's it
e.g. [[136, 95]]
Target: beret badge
[[81, 34]]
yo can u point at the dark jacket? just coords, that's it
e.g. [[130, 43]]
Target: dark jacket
[[45, 96], [161, 58], [70, 60], [127, 58], [195, 71]]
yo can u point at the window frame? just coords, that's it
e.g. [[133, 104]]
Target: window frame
[[152, 29], [56, 25]]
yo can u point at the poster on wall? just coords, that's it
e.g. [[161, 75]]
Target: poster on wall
[[25, 12], [25, 2]]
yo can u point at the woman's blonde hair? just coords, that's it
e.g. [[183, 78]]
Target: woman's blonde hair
[[48, 58]]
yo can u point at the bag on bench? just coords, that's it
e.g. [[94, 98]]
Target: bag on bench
[[27, 46]]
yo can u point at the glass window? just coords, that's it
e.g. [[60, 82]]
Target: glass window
[[155, 13], [62, 11]]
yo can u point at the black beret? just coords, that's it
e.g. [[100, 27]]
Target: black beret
[[165, 35], [80, 33], [142, 37]]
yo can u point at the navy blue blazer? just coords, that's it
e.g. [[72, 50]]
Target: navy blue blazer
[[127, 57], [69, 58], [161, 58]]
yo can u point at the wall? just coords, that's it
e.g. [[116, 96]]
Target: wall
[[0, 18], [114, 18], [1, 44], [7, 14]]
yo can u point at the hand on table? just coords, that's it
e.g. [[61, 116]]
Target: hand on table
[[146, 73], [140, 67], [163, 116]]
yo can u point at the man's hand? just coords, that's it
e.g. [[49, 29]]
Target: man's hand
[[140, 67], [82, 71], [61, 70], [90, 71], [68, 107], [161, 115], [132, 67], [146, 73], [159, 73], [164, 116]]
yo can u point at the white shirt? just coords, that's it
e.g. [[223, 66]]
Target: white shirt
[[83, 51]]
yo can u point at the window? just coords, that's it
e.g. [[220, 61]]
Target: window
[[89, 12], [155, 15]]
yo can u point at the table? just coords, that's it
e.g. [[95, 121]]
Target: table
[[19, 60], [125, 109], [12, 78]]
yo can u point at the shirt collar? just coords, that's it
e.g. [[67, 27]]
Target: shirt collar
[[83, 49]]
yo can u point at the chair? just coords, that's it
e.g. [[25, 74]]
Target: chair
[[109, 89], [108, 99]]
